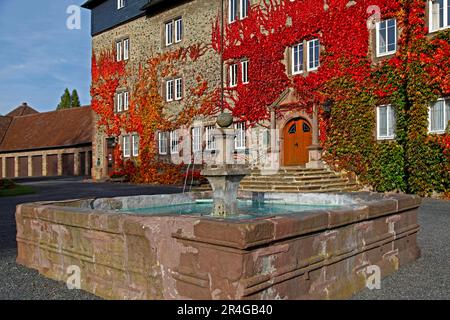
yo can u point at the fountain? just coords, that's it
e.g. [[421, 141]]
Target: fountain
[[223, 175], [219, 245]]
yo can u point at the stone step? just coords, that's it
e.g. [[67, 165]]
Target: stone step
[[289, 179], [293, 175], [315, 182]]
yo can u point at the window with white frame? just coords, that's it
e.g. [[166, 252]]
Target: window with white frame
[[297, 58], [119, 51], [386, 122], [233, 74], [439, 14], [122, 101], [237, 9], [313, 54], [126, 147], [178, 30], [439, 116], [162, 143], [170, 90], [244, 71], [386, 37], [174, 31], [169, 33], [178, 89], [126, 101], [210, 139], [240, 140], [126, 49], [174, 142], [232, 10], [135, 145], [196, 139], [243, 9], [120, 4], [122, 50], [119, 102]]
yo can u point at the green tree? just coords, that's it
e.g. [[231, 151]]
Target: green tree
[[75, 99], [65, 100]]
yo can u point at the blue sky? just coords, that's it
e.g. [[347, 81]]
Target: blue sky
[[40, 56]]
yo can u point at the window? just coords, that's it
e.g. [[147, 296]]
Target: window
[[439, 116], [297, 59], [196, 139], [439, 14], [126, 101], [126, 49], [237, 8], [122, 50], [119, 102], [126, 147], [386, 122], [135, 145], [174, 142], [232, 10], [162, 143], [243, 9], [123, 101], [120, 4], [240, 142], [178, 89], [386, 37], [119, 51], [210, 139], [178, 30], [244, 70], [313, 54], [233, 75], [169, 90], [174, 31]]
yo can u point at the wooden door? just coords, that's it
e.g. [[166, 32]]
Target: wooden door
[[297, 138], [23, 167], [10, 168], [36, 162], [82, 164], [68, 164], [52, 165]]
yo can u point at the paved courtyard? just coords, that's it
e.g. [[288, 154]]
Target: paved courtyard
[[427, 278]]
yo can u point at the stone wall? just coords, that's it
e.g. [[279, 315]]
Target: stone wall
[[146, 36]]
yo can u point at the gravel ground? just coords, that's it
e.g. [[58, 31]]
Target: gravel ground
[[427, 278]]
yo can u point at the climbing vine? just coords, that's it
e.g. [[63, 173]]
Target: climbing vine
[[349, 77]]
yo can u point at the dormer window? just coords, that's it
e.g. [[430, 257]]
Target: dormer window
[[120, 4], [439, 17]]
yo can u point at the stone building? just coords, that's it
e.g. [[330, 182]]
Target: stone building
[[49, 144], [137, 29]]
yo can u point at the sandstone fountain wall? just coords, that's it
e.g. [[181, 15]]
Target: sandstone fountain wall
[[322, 255]]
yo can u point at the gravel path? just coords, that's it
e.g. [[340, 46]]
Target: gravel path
[[427, 278]]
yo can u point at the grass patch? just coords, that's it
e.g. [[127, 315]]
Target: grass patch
[[17, 190]]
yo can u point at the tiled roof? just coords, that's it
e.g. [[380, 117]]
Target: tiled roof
[[64, 128]]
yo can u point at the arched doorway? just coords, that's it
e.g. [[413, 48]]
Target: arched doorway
[[297, 136]]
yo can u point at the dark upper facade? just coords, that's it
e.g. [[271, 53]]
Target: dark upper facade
[[106, 13]]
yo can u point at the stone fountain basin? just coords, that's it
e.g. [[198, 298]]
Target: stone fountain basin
[[321, 254]]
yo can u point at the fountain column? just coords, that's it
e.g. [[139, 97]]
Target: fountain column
[[224, 175]]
